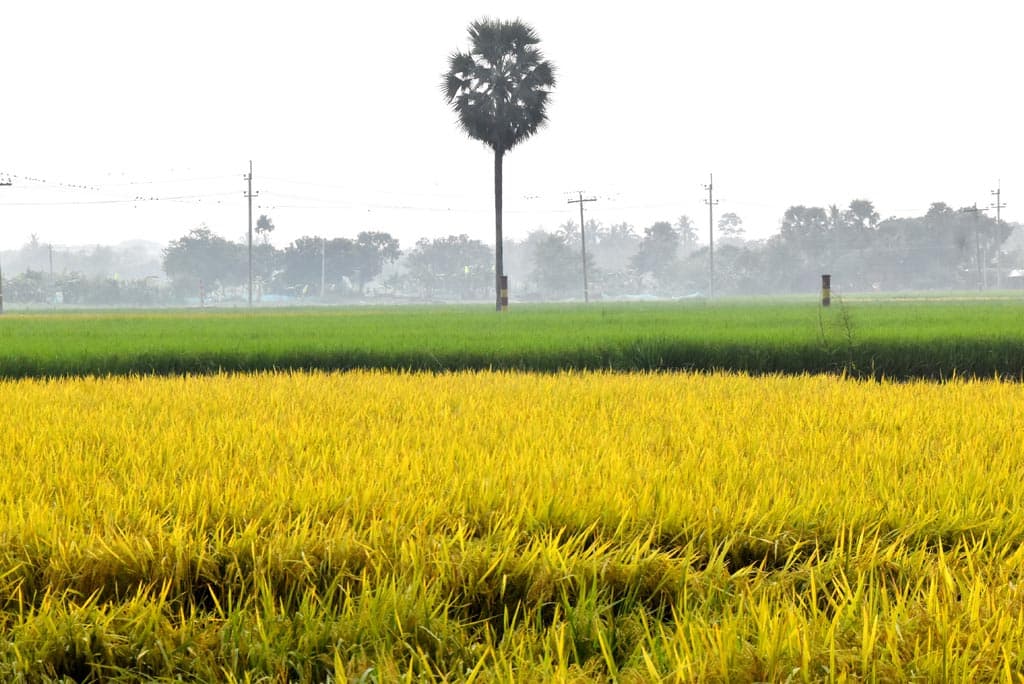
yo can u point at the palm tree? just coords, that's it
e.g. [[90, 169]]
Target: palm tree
[[499, 89]]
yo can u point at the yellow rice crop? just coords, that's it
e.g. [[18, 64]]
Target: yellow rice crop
[[501, 526]]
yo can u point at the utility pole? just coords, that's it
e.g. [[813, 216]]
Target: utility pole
[[3, 183], [711, 202], [998, 206], [323, 266], [53, 286], [250, 195], [977, 246], [583, 242]]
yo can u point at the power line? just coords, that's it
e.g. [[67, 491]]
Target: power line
[[354, 189], [329, 201], [57, 185], [49, 183], [167, 181], [134, 200]]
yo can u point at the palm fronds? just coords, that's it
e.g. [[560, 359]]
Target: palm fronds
[[500, 88]]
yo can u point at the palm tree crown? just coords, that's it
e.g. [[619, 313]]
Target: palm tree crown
[[500, 88]]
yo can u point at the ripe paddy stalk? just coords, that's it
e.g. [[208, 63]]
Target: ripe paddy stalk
[[711, 527]]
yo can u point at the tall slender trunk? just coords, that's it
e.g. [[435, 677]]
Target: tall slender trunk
[[499, 266]]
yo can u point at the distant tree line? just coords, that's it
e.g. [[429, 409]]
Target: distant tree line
[[944, 249], [202, 264], [40, 274], [948, 249]]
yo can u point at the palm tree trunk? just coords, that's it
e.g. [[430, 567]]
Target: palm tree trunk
[[499, 266]]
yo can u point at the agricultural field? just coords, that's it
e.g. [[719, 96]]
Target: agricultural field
[[876, 338], [508, 526], [676, 491]]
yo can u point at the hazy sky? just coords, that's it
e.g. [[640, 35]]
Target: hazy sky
[[338, 105]]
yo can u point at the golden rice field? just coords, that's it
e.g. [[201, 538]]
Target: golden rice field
[[375, 526]]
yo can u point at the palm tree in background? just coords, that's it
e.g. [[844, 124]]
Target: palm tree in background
[[499, 90]]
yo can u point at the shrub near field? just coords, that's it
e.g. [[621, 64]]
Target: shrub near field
[[862, 339], [502, 526]]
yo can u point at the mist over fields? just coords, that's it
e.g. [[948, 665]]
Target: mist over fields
[[946, 249]]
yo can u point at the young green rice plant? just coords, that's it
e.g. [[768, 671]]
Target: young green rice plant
[[894, 339]]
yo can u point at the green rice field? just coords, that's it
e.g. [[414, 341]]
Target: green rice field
[[866, 338]]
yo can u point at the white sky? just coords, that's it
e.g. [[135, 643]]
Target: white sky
[[338, 105]]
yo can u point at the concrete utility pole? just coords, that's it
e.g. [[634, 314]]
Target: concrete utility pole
[[711, 202], [583, 243], [323, 266], [982, 285], [53, 285], [250, 195], [998, 206], [7, 183]]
